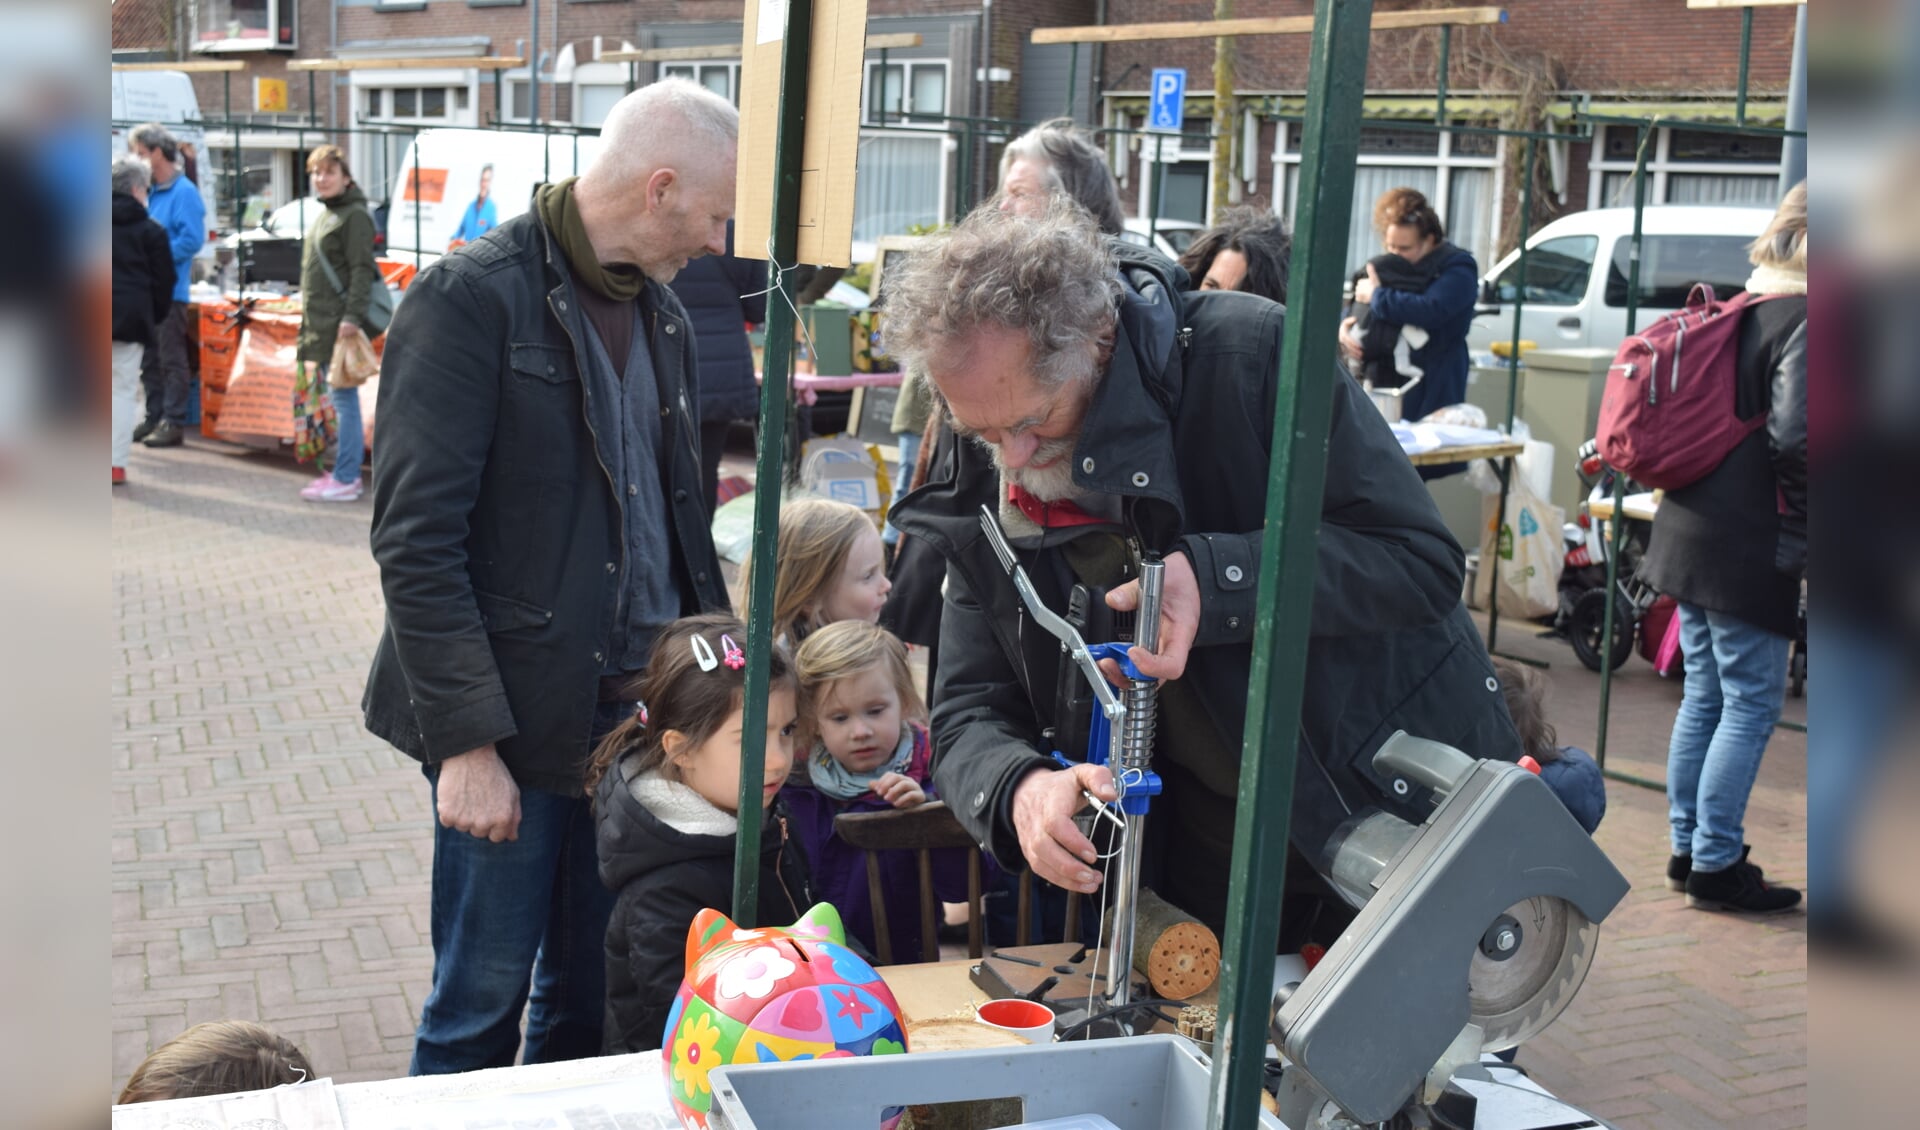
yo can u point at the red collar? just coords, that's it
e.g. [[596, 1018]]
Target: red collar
[[1050, 515]]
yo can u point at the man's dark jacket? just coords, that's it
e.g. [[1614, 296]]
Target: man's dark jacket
[[496, 519], [142, 272], [711, 289], [1179, 429], [662, 878]]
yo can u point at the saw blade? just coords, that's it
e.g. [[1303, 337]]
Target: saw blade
[[1514, 999]]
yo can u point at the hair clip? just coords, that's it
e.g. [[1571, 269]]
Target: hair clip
[[736, 658], [703, 653], [640, 712]]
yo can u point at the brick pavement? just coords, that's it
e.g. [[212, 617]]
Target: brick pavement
[[271, 858]]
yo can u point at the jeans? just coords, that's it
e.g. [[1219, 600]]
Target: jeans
[[909, 455], [164, 370], [531, 907], [126, 386], [1736, 679], [352, 445], [1863, 676]]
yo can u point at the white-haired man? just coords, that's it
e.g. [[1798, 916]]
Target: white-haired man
[[537, 518]]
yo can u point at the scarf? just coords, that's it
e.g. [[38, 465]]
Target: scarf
[[837, 781], [617, 282], [1776, 280], [678, 807], [1050, 515]]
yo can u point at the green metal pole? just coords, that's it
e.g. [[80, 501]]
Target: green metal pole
[[1440, 87], [313, 99], [775, 409], [1620, 481], [1159, 184], [883, 86], [1073, 69], [1513, 391], [633, 76], [417, 238], [1746, 53], [1296, 478], [499, 115], [233, 167]]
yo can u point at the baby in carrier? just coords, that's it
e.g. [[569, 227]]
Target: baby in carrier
[[1386, 348]]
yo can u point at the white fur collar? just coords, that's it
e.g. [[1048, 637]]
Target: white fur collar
[[679, 807], [1776, 280]]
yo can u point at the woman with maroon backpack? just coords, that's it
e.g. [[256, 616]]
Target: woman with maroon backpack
[[1731, 547]]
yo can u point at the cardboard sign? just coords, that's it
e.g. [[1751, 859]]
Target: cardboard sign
[[832, 130]]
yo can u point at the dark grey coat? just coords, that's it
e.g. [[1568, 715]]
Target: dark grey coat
[[496, 521], [1185, 410]]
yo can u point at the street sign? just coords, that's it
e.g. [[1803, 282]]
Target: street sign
[[1168, 104], [270, 95]]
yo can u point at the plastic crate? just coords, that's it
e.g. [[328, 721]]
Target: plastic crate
[[1139, 1083]]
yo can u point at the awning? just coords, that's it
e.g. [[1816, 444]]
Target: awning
[[1485, 108], [1764, 113]]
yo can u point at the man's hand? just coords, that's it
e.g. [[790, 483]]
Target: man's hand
[[899, 790], [1179, 622], [1348, 344], [1043, 806], [475, 794]]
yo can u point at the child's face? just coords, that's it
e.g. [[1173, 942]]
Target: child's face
[[861, 591], [712, 768], [858, 720]]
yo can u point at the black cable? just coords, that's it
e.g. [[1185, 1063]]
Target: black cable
[[1131, 1006]]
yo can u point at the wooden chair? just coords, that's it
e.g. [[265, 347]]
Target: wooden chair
[[924, 829]]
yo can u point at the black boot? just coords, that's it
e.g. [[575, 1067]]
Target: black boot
[[1680, 866], [168, 434], [144, 429], [1738, 888]]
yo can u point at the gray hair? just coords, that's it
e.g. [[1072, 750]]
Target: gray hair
[[662, 124], [1053, 278], [131, 173], [153, 135], [1074, 165]]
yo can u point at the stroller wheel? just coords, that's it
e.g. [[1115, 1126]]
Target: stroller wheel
[[1588, 621]]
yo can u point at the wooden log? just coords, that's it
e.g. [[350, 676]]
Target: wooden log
[[1262, 25], [1177, 955]]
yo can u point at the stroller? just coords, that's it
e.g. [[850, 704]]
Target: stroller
[[1639, 612]]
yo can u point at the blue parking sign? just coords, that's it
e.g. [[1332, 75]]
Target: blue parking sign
[[1168, 103]]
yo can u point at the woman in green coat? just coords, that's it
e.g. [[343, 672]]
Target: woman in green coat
[[337, 276]]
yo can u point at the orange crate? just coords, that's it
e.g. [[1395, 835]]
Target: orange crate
[[220, 324], [210, 399], [216, 362]]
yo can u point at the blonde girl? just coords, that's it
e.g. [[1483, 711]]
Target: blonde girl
[[830, 567]]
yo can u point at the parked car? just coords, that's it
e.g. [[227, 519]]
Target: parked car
[[1576, 294], [1170, 236], [290, 221]]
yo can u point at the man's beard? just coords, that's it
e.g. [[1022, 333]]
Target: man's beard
[[1052, 483]]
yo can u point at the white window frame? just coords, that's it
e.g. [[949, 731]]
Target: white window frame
[[948, 147], [1445, 161], [1180, 148], [236, 46], [904, 119], [586, 75], [697, 66], [1659, 167]]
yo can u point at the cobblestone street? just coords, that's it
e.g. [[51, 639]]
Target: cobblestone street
[[271, 858]]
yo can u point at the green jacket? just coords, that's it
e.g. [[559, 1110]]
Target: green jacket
[[344, 234]]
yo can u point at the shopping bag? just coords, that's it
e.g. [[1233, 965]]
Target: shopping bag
[[354, 362], [314, 422], [1520, 556]]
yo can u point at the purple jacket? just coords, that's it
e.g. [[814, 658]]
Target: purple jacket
[[840, 870]]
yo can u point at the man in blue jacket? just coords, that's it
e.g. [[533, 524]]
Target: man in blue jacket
[[174, 203]]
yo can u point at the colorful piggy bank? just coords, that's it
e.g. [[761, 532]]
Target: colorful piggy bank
[[768, 995]]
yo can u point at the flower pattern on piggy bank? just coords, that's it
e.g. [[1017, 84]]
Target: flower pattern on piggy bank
[[772, 995]]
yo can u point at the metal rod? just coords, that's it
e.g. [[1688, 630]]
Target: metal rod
[[1268, 114], [1440, 84], [1681, 123], [775, 409], [1513, 390], [1073, 75], [1620, 481], [533, 65], [1135, 753], [418, 250], [1793, 153], [1296, 478], [1159, 185], [1746, 55]]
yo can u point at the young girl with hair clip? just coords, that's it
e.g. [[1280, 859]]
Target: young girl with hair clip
[[864, 729], [219, 1057], [666, 791], [830, 566]]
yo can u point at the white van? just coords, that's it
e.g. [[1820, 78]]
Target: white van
[[1577, 272], [166, 97], [452, 163]]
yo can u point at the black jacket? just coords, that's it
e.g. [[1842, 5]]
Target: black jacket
[[663, 877], [1736, 540], [496, 520], [142, 272], [710, 288], [1179, 428]]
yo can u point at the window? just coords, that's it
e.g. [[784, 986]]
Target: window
[[911, 93], [1687, 167], [721, 78], [1558, 273], [424, 104], [1670, 265], [593, 101], [1458, 173], [245, 25], [900, 184]]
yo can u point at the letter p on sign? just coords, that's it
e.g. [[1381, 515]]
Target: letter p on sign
[[1167, 111]]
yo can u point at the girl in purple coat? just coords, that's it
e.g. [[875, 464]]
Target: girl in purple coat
[[866, 734]]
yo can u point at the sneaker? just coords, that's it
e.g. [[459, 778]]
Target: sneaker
[[1738, 888], [312, 490], [144, 429], [165, 434], [119, 476], [337, 491]]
